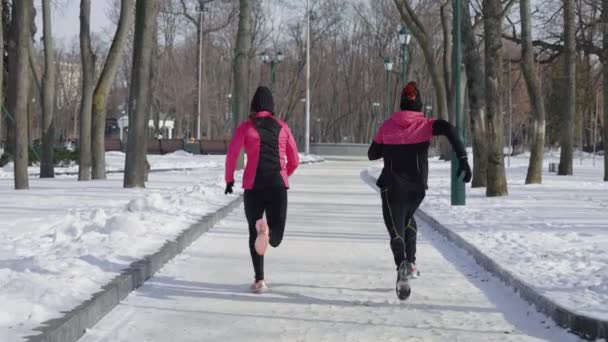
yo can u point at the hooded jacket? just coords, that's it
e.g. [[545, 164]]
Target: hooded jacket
[[272, 154], [403, 142]]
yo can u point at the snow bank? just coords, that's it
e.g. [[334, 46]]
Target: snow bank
[[310, 158], [64, 239], [553, 236]]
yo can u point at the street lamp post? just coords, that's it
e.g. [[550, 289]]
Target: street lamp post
[[457, 186], [229, 98], [307, 126], [404, 39], [429, 111], [199, 81], [375, 121], [388, 66], [273, 61]]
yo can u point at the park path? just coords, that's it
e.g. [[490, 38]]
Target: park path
[[332, 279]]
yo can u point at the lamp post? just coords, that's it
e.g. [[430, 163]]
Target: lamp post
[[375, 121], [307, 126], [199, 80], [273, 61], [457, 186], [229, 99], [388, 66], [404, 39]]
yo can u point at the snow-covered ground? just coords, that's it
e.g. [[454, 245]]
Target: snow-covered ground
[[554, 236], [332, 279], [115, 161], [63, 239]]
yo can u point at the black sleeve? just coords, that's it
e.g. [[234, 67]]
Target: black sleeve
[[442, 127], [375, 151]]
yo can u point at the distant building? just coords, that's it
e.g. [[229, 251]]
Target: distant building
[[166, 127]]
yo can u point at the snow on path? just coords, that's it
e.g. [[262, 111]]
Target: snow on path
[[332, 279]]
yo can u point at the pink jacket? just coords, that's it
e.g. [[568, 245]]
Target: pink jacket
[[247, 135], [405, 128]]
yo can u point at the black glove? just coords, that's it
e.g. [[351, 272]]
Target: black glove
[[464, 167], [229, 188]]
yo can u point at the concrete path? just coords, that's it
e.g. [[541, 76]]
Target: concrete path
[[332, 279]]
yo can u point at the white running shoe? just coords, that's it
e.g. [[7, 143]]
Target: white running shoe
[[259, 287]]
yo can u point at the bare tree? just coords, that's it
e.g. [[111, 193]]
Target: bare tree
[[605, 88], [106, 79], [88, 79], [476, 96], [1, 68], [19, 78], [497, 180], [146, 12], [535, 167], [241, 62], [420, 33], [567, 123], [47, 169]]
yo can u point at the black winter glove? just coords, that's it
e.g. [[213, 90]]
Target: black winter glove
[[464, 167], [229, 188]]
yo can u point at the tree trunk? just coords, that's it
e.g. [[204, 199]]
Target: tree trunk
[[605, 87], [567, 122], [535, 167], [497, 180], [241, 66], [447, 56], [476, 95], [47, 168], [418, 31], [1, 69], [18, 91], [99, 110], [146, 12], [9, 119], [88, 79]]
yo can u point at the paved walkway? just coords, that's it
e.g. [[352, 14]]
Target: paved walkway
[[332, 279]]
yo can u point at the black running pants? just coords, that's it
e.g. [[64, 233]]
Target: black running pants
[[398, 208], [273, 202]]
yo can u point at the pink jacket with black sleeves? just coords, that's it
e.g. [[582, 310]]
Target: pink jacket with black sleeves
[[270, 149]]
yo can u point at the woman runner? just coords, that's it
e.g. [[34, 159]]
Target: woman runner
[[403, 143], [272, 156]]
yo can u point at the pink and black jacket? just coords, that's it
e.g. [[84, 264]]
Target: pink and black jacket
[[272, 154], [403, 142]]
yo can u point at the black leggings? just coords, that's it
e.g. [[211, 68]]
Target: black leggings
[[272, 201], [398, 208]]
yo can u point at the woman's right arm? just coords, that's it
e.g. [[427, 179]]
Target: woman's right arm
[[442, 127], [375, 149], [236, 144]]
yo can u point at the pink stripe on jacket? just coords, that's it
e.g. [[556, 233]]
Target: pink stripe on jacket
[[405, 128], [246, 135]]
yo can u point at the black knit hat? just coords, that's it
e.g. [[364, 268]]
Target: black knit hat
[[262, 101], [410, 98]]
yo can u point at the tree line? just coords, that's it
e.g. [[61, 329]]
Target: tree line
[[542, 61]]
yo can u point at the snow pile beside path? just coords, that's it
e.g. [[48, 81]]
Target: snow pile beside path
[[553, 236], [310, 158], [7, 171], [115, 162], [62, 240]]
